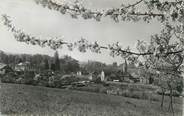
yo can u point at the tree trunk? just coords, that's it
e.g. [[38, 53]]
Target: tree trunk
[[162, 102], [171, 101]]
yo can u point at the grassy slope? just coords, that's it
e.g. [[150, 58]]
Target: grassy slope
[[24, 99]]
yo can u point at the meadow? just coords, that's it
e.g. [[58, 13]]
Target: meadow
[[26, 100]]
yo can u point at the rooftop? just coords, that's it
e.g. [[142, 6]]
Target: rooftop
[[2, 65]]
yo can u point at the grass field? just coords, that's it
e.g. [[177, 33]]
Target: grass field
[[26, 100]]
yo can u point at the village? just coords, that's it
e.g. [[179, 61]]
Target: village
[[126, 80], [128, 72], [25, 66], [92, 57], [83, 76]]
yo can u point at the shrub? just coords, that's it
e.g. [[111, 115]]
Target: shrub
[[1, 76], [9, 78], [56, 82], [97, 80], [135, 94], [43, 79], [103, 90], [51, 81], [20, 80], [68, 79], [105, 84], [28, 77], [43, 83], [179, 86], [174, 93]]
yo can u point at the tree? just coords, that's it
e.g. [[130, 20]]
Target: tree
[[53, 67], [56, 61], [125, 67], [69, 64], [165, 49], [94, 66], [4, 57], [115, 64], [46, 64]]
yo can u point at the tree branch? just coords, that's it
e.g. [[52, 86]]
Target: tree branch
[[142, 54], [56, 44], [132, 5], [80, 10], [148, 14]]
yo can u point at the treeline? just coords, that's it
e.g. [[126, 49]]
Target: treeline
[[111, 70], [40, 62], [65, 65]]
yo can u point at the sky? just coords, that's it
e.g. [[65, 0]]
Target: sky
[[42, 22]]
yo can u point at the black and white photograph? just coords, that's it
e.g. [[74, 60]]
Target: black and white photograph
[[91, 57]]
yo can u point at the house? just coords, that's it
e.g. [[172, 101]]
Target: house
[[94, 76], [90, 76], [23, 66], [113, 77], [79, 73], [131, 73], [143, 80], [2, 68], [102, 76], [5, 68]]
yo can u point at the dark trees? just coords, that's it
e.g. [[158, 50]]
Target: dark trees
[[56, 61], [46, 64]]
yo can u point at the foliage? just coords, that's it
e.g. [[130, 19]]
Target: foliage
[[69, 65], [40, 62], [8, 78], [179, 86], [94, 66], [97, 80], [56, 61], [68, 79], [28, 77], [46, 64]]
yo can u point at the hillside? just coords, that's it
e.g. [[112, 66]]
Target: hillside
[[26, 100]]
